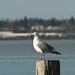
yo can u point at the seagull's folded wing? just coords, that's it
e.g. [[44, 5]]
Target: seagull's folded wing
[[45, 47]]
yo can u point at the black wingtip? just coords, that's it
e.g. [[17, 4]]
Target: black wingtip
[[57, 53]]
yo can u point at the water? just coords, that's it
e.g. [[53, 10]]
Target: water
[[18, 57]]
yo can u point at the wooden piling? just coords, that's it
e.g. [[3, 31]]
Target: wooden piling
[[47, 67]]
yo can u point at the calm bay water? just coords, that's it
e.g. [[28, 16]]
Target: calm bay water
[[18, 57]]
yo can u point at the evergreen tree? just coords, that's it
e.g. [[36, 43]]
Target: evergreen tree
[[72, 20], [25, 22]]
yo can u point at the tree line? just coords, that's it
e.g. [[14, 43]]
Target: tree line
[[24, 25]]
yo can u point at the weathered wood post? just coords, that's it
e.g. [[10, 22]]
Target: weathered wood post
[[47, 67]]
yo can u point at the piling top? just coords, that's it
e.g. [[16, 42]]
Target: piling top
[[47, 67], [47, 60]]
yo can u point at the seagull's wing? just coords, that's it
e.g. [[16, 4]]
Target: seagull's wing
[[45, 47]]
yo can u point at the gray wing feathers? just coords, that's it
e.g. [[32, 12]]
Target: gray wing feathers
[[45, 47]]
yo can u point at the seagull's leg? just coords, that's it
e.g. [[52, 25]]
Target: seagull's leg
[[43, 56]]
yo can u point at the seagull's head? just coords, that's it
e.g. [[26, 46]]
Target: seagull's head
[[34, 34]]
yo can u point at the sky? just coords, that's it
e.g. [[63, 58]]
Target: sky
[[45, 9]]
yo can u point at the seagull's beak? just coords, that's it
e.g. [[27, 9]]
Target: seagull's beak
[[31, 35]]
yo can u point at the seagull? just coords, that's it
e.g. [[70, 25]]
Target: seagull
[[41, 46]]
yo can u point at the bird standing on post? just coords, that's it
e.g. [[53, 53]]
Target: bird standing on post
[[42, 47]]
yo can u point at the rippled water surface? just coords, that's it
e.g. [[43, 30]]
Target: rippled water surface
[[18, 57]]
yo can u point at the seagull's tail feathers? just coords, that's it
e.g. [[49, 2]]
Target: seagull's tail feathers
[[55, 52]]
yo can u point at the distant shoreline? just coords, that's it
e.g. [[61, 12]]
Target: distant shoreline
[[44, 38]]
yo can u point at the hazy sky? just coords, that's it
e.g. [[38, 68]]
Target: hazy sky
[[46, 9]]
